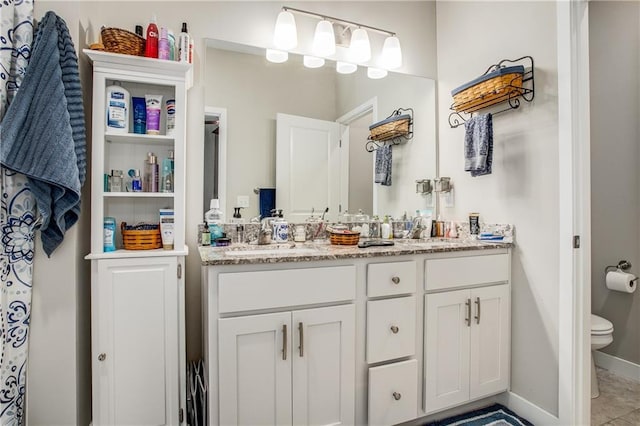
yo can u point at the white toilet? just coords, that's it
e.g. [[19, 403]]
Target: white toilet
[[601, 336]]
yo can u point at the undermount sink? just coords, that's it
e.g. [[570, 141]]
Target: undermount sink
[[281, 250]]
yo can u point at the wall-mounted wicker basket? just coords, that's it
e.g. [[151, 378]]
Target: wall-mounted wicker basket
[[116, 40], [395, 129], [141, 239]]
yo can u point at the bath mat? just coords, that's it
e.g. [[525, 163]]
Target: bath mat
[[494, 415]]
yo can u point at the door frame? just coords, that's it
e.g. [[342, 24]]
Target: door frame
[[574, 183], [368, 106], [221, 114]]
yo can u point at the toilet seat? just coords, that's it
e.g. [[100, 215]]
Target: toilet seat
[[600, 326]]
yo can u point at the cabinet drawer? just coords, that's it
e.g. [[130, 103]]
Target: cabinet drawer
[[246, 291], [387, 279], [391, 328], [393, 393], [466, 271]]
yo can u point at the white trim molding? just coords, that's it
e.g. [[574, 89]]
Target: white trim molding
[[574, 339], [618, 366], [526, 409]]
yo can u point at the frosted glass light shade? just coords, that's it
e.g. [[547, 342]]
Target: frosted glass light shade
[[360, 49], [345, 67], [312, 61], [376, 73], [324, 40], [285, 35], [277, 56], [391, 53]]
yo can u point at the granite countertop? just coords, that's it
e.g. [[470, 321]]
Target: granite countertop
[[239, 254]]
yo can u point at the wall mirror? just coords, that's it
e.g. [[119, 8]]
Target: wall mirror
[[303, 131]]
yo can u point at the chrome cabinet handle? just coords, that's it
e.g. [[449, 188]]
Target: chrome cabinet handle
[[284, 342], [468, 317], [301, 332], [477, 310], [102, 357], [395, 329], [397, 395], [395, 280]]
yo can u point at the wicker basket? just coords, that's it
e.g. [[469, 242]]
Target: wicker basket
[[343, 237], [140, 239], [489, 89], [392, 127], [116, 40]]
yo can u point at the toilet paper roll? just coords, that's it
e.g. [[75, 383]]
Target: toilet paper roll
[[621, 281]]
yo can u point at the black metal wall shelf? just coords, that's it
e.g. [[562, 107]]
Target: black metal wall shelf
[[511, 93], [392, 137]]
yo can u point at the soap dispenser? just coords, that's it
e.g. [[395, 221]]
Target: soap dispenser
[[280, 229]]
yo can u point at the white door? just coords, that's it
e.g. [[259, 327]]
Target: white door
[[446, 349], [308, 167], [135, 355], [324, 366], [255, 370], [490, 337]]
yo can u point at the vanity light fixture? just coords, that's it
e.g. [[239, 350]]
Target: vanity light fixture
[[312, 61], [331, 31], [376, 73], [277, 56], [345, 67], [285, 34]]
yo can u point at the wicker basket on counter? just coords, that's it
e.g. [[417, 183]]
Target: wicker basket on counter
[[341, 236], [141, 239], [116, 40]]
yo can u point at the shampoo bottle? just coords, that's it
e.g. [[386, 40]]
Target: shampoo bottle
[[150, 182], [184, 41], [151, 45], [163, 45]]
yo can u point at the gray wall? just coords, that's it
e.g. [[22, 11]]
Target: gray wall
[[523, 188], [614, 29]]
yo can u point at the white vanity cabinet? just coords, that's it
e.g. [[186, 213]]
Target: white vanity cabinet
[[295, 366], [467, 331], [137, 296]]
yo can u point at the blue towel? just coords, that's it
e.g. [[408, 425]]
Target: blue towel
[[267, 201], [478, 145], [384, 159], [42, 134]]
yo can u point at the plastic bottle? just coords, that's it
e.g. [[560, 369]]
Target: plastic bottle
[[205, 236], [184, 41], [385, 229], [117, 109], [167, 173], [171, 117], [150, 182], [215, 219], [163, 45], [109, 234], [172, 45], [151, 45]]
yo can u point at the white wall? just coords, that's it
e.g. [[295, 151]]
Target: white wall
[[523, 188], [614, 28], [59, 392]]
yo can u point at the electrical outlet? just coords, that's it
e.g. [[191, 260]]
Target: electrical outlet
[[242, 201]]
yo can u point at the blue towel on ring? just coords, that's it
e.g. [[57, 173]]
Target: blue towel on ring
[[42, 134], [478, 145], [384, 159]]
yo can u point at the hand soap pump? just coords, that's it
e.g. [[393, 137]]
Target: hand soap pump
[[215, 219], [237, 217], [280, 229]]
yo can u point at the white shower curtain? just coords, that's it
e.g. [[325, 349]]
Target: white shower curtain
[[17, 223]]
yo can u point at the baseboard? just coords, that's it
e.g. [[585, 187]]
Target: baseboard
[[526, 409], [618, 366]]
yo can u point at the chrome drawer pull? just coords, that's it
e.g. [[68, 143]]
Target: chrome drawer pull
[[394, 329], [468, 317], [397, 395], [395, 280], [478, 310]]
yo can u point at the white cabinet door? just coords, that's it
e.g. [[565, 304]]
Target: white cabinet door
[[490, 336], [255, 370], [446, 349], [324, 366], [136, 342]]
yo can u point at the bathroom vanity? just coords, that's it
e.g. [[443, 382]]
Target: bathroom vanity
[[321, 334]]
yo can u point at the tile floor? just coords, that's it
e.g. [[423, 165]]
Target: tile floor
[[618, 403]]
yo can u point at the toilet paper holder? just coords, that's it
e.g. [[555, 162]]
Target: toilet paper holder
[[623, 264]]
